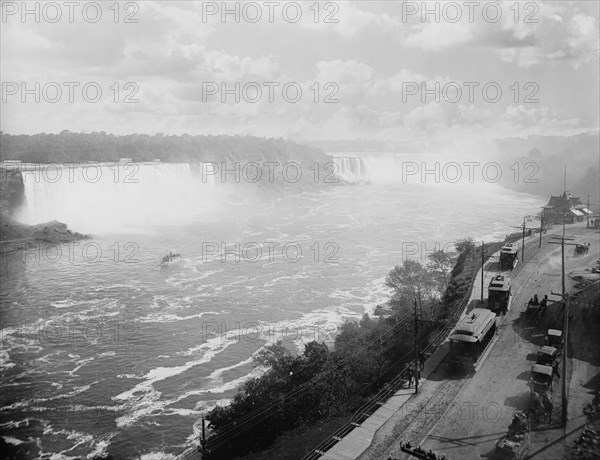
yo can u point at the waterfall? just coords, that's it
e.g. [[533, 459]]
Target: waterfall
[[351, 169], [414, 168], [97, 197]]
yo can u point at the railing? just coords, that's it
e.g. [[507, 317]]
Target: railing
[[380, 398], [360, 415]]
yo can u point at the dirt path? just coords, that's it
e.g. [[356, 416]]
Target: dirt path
[[485, 405]]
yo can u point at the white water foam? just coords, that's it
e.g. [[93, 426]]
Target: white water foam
[[122, 196], [11, 440]]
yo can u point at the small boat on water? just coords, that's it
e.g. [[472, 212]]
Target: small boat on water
[[169, 258]]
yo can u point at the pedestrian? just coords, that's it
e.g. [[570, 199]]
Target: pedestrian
[[407, 373], [555, 369]]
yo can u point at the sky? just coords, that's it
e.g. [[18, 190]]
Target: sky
[[305, 70]]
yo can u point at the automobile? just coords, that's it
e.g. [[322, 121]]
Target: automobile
[[547, 355]]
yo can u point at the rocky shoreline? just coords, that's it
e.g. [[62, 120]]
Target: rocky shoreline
[[15, 235]]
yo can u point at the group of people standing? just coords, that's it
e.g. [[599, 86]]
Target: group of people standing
[[535, 301], [409, 370]]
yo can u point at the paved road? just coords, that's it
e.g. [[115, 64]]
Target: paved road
[[483, 409]]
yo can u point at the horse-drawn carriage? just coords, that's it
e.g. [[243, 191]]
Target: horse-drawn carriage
[[536, 308], [582, 248], [540, 401], [547, 356], [554, 338], [541, 379], [515, 444]]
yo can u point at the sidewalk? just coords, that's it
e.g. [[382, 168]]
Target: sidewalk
[[359, 439]]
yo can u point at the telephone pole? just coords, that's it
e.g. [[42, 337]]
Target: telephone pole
[[203, 448], [541, 225], [523, 227], [482, 272], [483, 254], [587, 214], [523, 243], [565, 298], [416, 363]]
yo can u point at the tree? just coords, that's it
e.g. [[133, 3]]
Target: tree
[[465, 246], [410, 278], [441, 261]]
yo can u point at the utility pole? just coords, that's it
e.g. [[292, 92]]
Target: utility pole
[[202, 448], [567, 301], [523, 227], [523, 243], [482, 272], [416, 363], [587, 214], [541, 225], [565, 298]]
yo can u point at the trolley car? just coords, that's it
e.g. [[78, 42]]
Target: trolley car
[[509, 256], [499, 295], [471, 337]]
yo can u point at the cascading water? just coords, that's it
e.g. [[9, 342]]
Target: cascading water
[[417, 169], [350, 169], [115, 197]]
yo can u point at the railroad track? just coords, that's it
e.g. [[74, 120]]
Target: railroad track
[[427, 416]]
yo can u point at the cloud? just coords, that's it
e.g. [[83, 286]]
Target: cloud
[[352, 74], [552, 32], [438, 36], [541, 118], [350, 21], [171, 52], [574, 39]]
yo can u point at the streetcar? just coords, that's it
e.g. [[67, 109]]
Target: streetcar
[[499, 295], [509, 256], [471, 337]]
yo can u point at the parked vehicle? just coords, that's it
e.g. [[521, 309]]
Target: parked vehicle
[[541, 379], [547, 355], [515, 444], [554, 338]]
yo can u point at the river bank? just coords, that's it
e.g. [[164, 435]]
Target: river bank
[[198, 322], [15, 235]]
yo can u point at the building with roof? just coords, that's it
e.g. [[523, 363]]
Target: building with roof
[[569, 206]]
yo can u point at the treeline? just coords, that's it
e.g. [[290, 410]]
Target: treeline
[[103, 147], [299, 390]]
